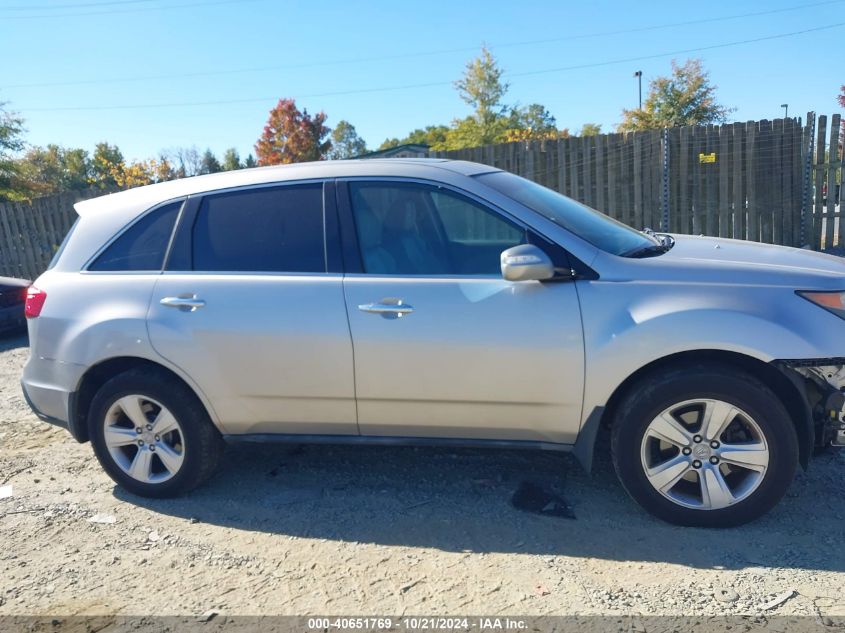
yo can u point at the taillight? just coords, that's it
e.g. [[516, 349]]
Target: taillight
[[35, 299]]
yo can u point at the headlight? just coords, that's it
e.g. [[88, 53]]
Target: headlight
[[830, 301]]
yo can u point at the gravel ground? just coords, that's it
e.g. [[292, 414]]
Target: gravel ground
[[390, 531]]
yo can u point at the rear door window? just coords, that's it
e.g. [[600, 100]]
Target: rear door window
[[278, 229], [143, 245]]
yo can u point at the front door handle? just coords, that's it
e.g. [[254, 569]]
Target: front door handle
[[186, 304], [388, 308]]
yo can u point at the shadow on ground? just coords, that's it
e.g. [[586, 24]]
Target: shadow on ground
[[460, 500]]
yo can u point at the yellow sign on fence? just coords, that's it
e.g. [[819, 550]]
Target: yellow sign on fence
[[707, 158]]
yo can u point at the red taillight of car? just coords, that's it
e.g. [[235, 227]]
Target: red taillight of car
[[35, 299]]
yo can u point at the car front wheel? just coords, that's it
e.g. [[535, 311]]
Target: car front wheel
[[704, 446]]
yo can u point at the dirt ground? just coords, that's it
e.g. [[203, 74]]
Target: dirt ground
[[389, 531]]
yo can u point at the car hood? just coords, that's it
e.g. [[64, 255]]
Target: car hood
[[722, 260]]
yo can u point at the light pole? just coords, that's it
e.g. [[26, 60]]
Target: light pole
[[639, 75], [785, 107]]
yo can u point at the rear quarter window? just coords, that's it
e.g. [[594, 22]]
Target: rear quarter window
[[143, 245], [58, 254]]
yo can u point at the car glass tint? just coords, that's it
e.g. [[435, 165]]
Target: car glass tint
[[143, 245], [588, 224], [409, 229], [277, 229]]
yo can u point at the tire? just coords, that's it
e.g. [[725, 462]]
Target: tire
[[182, 456], [756, 428]]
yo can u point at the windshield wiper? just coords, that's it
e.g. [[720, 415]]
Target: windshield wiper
[[648, 251], [664, 243]]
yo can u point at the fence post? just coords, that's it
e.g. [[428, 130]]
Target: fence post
[[808, 162], [664, 146]]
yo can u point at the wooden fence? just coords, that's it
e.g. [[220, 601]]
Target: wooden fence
[[742, 180], [768, 181], [824, 177], [30, 233]]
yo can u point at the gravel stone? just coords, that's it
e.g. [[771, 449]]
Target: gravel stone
[[389, 530]]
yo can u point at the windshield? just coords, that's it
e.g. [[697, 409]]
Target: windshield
[[591, 225]]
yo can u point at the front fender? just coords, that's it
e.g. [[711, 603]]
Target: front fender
[[630, 325]]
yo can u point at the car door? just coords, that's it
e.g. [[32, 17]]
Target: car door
[[251, 307], [444, 347]]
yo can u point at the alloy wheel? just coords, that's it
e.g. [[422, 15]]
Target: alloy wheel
[[144, 439], [705, 454]]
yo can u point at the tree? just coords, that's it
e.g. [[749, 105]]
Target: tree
[[531, 123], [107, 161], [52, 169], [185, 161], [11, 141], [163, 169], [482, 88], [291, 136], [433, 135], [534, 117], [685, 98], [249, 162], [345, 142], [590, 129], [209, 163], [231, 160], [492, 121], [470, 132]]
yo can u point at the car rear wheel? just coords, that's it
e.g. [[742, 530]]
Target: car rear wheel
[[152, 435], [704, 446]]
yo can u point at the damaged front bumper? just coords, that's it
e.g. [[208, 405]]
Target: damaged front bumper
[[824, 381]]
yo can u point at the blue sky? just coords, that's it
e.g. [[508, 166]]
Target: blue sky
[[162, 55]]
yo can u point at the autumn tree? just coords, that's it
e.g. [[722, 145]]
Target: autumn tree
[[162, 169], [291, 136], [11, 141], [106, 162], [231, 160], [687, 97], [345, 142]]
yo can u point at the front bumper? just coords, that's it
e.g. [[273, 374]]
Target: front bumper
[[825, 386]]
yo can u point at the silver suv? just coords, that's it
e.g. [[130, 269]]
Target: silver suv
[[434, 302]]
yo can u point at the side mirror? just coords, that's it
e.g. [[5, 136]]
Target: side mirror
[[526, 262]]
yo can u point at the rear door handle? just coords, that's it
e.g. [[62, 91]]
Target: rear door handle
[[388, 308], [186, 304]]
